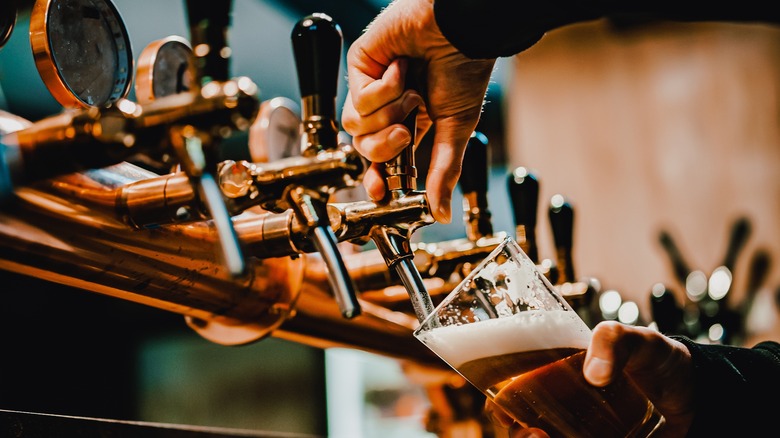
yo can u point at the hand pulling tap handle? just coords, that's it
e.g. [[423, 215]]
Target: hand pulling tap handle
[[317, 41], [474, 185], [523, 189], [401, 177], [209, 21], [562, 223]]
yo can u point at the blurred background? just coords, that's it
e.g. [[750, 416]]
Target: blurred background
[[663, 137]]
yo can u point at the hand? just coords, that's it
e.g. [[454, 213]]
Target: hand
[[378, 101], [659, 365]]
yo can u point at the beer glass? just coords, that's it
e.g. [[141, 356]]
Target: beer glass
[[509, 332]]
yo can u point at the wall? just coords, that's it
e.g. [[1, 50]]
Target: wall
[[659, 126]]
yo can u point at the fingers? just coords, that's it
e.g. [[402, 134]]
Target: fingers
[[368, 92], [449, 145], [518, 431], [503, 420], [380, 136], [498, 415], [374, 182], [615, 347]]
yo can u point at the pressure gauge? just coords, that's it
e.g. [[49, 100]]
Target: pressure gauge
[[275, 133], [165, 68], [7, 20], [82, 51]]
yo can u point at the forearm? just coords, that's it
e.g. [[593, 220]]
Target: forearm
[[735, 389], [496, 28]]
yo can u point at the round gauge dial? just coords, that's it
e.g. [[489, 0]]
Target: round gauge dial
[[7, 20], [164, 68], [82, 51], [275, 133]]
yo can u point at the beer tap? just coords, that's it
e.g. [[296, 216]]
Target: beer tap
[[579, 293], [561, 216], [523, 188], [189, 123], [474, 185], [666, 311], [393, 239], [196, 147], [317, 42]]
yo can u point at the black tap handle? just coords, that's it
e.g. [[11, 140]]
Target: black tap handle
[[523, 189], [760, 266], [679, 266], [562, 223], [740, 232], [667, 313], [474, 185], [317, 42], [474, 176], [209, 21]]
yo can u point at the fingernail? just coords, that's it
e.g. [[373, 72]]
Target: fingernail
[[599, 371], [410, 102], [399, 137], [444, 212]]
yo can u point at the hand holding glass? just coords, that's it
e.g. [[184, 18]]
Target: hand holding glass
[[509, 332]]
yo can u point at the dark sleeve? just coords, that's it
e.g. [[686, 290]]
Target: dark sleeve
[[736, 389], [495, 28]]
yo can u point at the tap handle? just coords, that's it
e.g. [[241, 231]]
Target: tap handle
[[474, 185], [189, 146], [679, 266], [562, 223], [310, 208], [317, 41], [740, 232], [209, 21], [401, 171], [523, 189], [339, 279], [667, 313], [229, 244]]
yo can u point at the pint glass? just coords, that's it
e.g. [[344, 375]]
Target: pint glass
[[508, 331]]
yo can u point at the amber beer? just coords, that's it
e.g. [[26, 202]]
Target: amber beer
[[510, 334], [541, 386]]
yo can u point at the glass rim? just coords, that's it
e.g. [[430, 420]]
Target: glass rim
[[507, 241]]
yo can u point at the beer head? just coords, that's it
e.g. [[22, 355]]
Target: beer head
[[531, 330], [505, 305]]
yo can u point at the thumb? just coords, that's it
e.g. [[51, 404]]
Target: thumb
[[449, 145]]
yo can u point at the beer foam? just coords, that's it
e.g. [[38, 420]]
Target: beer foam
[[525, 331]]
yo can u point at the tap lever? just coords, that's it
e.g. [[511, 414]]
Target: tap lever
[[401, 171], [523, 189], [230, 247], [317, 42], [189, 146], [209, 22], [562, 222], [474, 185]]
